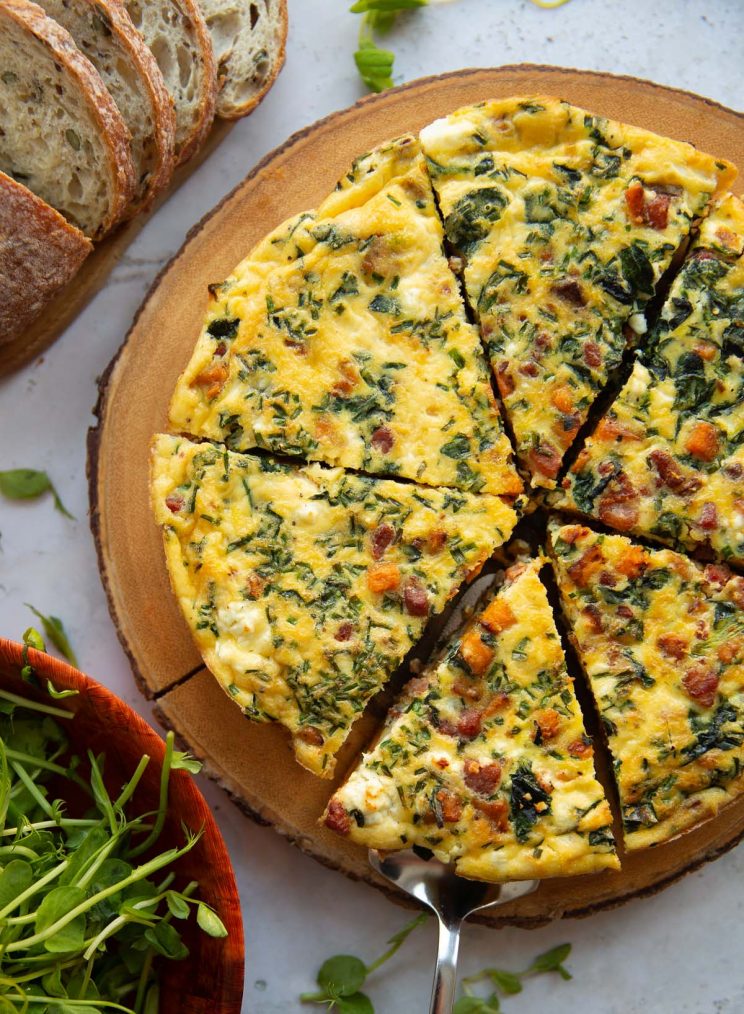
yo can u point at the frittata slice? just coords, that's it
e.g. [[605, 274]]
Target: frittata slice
[[342, 338], [305, 587], [662, 642], [565, 222], [484, 760], [667, 460]]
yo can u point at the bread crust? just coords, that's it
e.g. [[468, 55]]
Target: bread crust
[[163, 113], [208, 97], [40, 251], [101, 106]]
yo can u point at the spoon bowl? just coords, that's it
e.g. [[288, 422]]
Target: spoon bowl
[[453, 899]]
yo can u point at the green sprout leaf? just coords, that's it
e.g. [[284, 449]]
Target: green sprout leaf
[[477, 1005], [185, 762], [552, 961], [375, 65], [357, 1003], [28, 484], [209, 921], [508, 982], [342, 975], [55, 631]]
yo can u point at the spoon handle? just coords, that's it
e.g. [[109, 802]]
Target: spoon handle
[[445, 977]]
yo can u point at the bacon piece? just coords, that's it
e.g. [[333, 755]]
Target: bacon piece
[[475, 652], [633, 563], [708, 516], [730, 651], [470, 722], [548, 723], [504, 379], [569, 291], [702, 441], [382, 537], [530, 368], [736, 591], [496, 810], [592, 354], [671, 475], [337, 819], [482, 778], [588, 564], [717, 574], [348, 380], [497, 616], [499, 701], [673, 646], [436, 540], [635, 200], [618, 508], [572, 533], [657, 211], [174, 503], [415, 598], [382, 439], [544, 459], [212, 379], [344, 631], [309, 734], [471, 691], [581, 747], [382, 577], [701, 683], [451, 806], [593, 618]]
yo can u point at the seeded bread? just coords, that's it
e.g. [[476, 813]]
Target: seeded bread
[[104, 32], [60, 131], [248, 37], [39, 253], [178, 37]]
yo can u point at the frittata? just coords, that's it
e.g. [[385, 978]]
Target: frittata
[[667, 460], [661, 640], [484, 760], [343, 338], [305, 587], [565, 222]]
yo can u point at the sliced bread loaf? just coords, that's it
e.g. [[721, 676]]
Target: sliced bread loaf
[[104, 32], [248, 37], [60, 131], [39, 253], [179, 40]]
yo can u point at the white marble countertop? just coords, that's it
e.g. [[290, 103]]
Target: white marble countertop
[[678, 952]]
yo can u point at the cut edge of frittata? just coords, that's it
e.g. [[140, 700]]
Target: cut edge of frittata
[[674, 472], [545, 409], [304, 586], [368, 274], [437, 774], [700, 678]]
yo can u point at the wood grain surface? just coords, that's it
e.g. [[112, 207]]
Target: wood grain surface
[[254, 762], [211, 980]]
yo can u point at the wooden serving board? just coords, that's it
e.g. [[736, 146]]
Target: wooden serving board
[[92, 276], [254, 762]]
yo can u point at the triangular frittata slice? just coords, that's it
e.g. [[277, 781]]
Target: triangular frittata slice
[[305, 587], [565, 222], [667, 460], [484, 760], [661, 640], [343, 338]]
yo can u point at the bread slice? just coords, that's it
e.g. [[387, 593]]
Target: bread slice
[[103, 31], [39, 253], [248, 37], [179, 40], [60, 131]]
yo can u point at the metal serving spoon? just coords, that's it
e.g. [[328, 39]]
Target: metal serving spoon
[[452, 899]]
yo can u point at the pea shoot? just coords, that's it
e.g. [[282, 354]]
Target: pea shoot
[[30, 484], [340, 978], [87, 901]]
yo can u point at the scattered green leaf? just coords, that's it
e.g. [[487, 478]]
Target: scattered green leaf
[[55, 631], [29, 484]]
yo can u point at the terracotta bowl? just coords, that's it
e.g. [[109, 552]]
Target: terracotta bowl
[[210, 980]]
